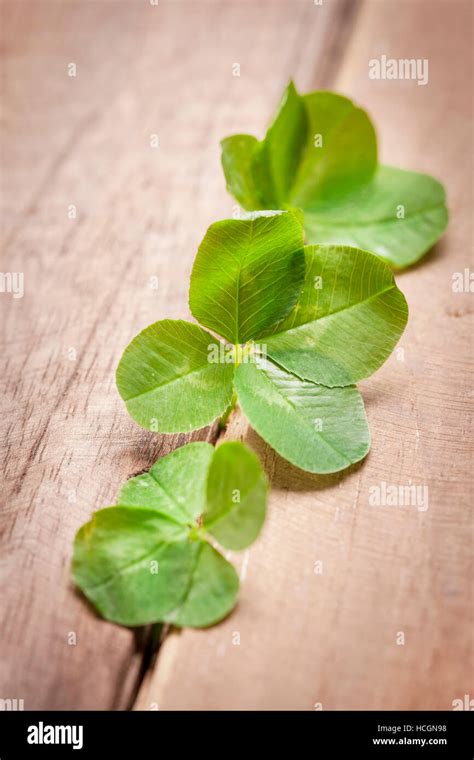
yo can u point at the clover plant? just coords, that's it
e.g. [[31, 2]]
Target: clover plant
[[300, 326], [152, 557], [320, 155]]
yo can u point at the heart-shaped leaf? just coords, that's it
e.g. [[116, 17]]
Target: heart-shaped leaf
[[277, 158], [237, 158], [133, 564], [211, 591], [175, 484], [347, 320], [399, 215], [318, 429], [169, 381], [236, 489], [247, 275], [320, 154], [148, 559]]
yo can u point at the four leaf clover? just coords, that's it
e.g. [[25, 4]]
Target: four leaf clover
[[320, 155], [301, 325]]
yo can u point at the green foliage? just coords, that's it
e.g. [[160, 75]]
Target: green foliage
[[247, 275], [318, 429], [348, 318], [300, 326], [167, 382], [320, 155], [149, 559], [306, 323]]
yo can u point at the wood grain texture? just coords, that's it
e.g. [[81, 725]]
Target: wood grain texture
[[140, 214], [329, 639]]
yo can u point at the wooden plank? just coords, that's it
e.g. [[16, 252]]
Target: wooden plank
[[333, 639], [141, 212]]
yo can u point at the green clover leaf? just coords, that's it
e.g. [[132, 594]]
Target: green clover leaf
[[306, 324], [348, 318], [247, 275], [320, 155], [149, 559]]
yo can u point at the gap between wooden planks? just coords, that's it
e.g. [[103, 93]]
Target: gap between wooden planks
[[304, 640], [85, 142]]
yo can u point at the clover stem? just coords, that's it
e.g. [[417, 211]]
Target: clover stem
[[225, 417], [197, 533]]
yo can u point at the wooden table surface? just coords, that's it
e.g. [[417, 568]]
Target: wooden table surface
[[308, 639]]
